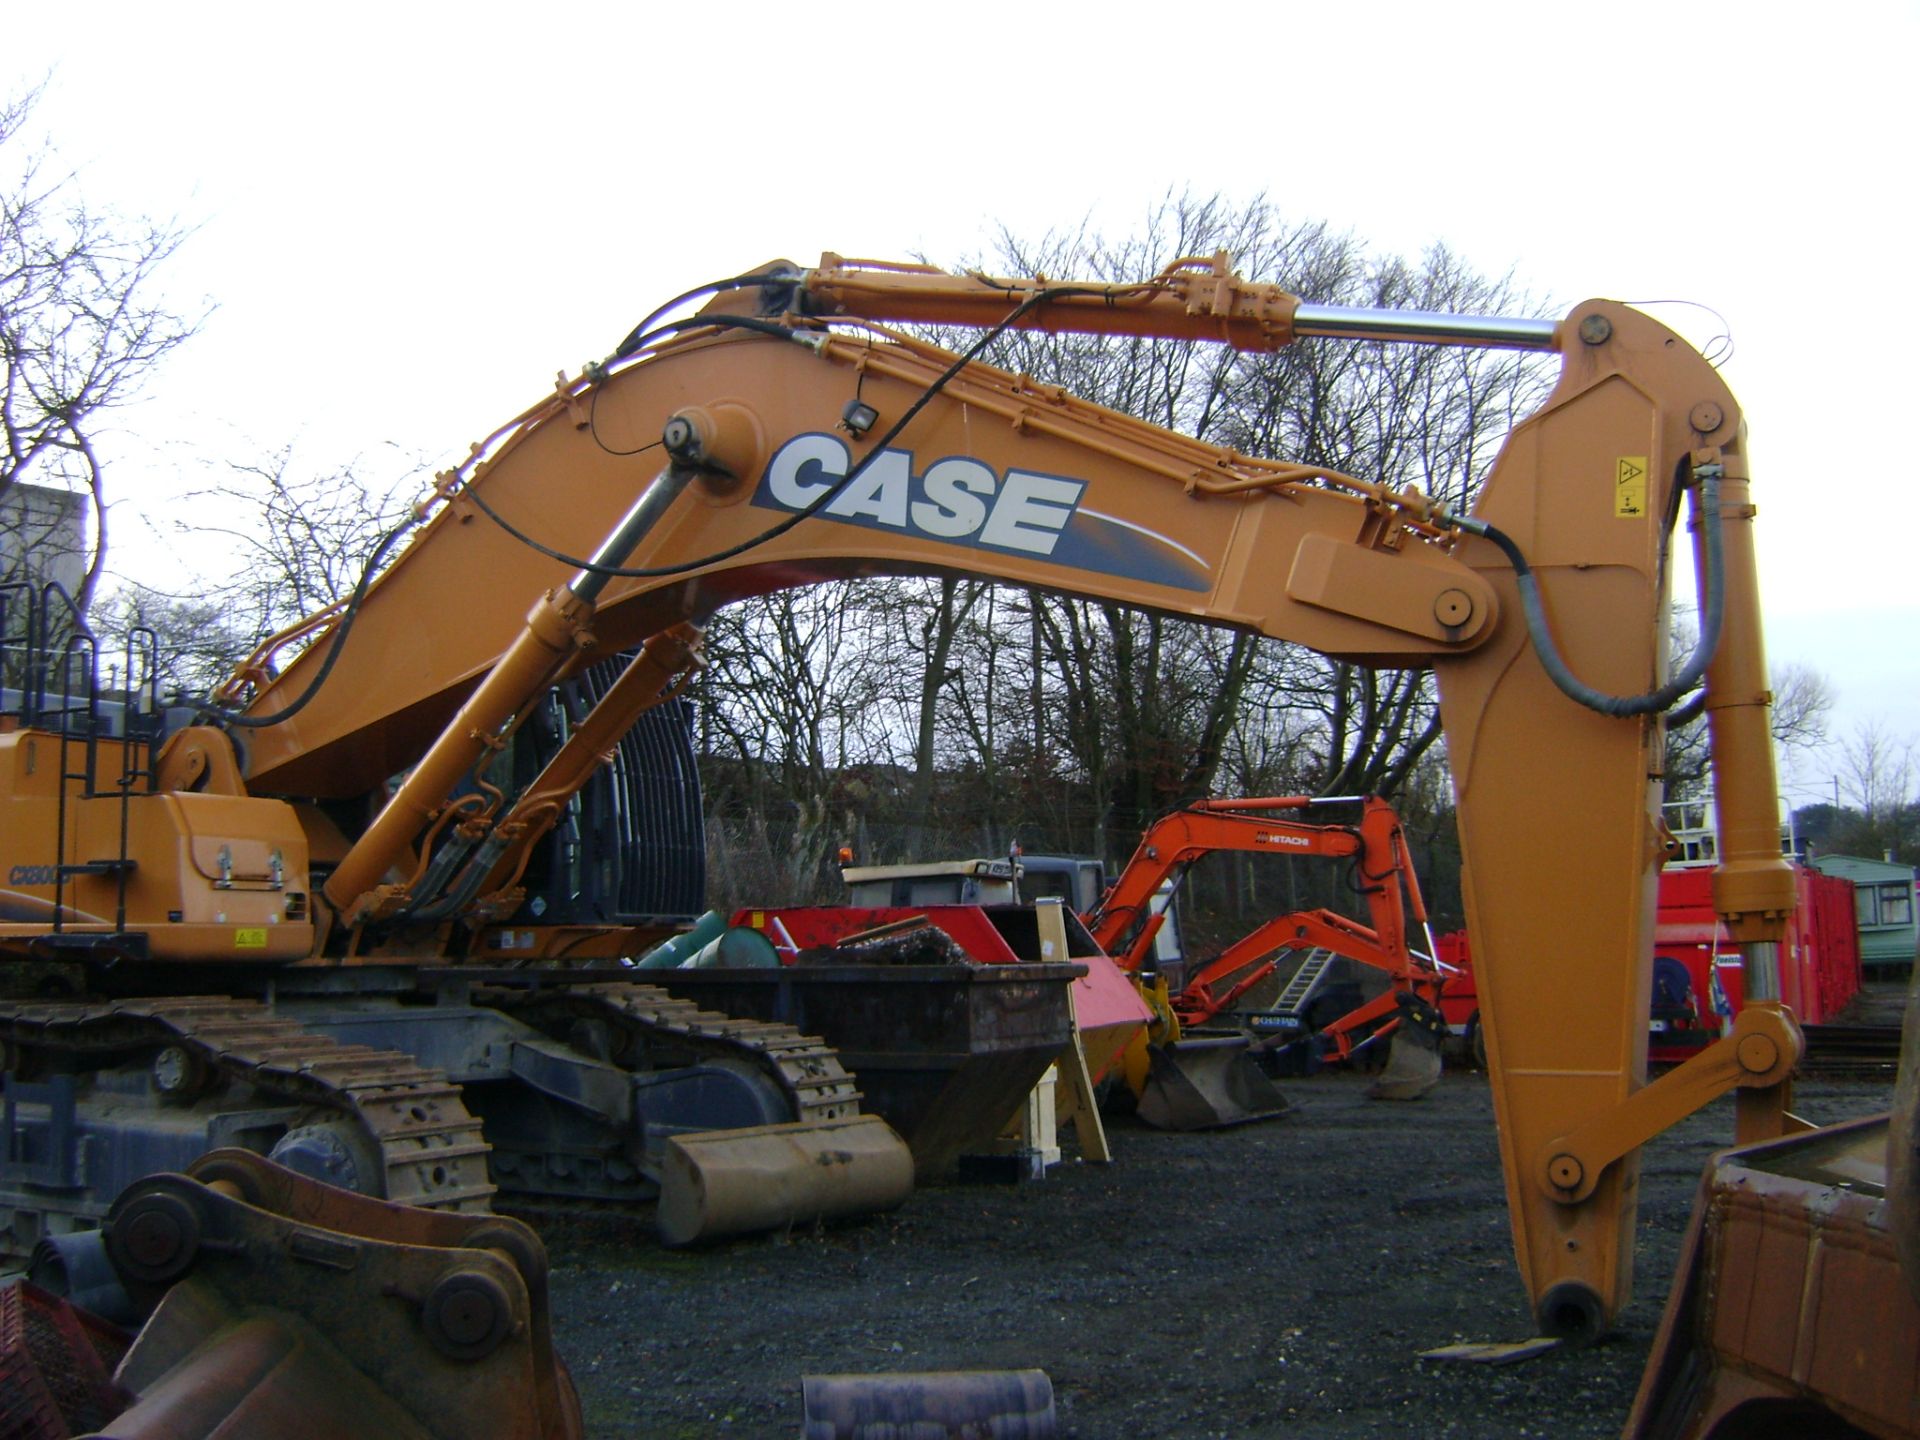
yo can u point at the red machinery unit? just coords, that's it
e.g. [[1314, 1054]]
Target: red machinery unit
[[1819, 964], [1697, 988]]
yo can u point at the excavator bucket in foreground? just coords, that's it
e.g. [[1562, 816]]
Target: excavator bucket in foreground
[[276, 1306], [730, 1182], [1795, 1308], [1206, 1082]]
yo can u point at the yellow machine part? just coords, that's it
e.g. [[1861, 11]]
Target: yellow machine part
[[730, 1182], [206, 877]]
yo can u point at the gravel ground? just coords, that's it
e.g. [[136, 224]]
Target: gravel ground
[[1277, 1279]]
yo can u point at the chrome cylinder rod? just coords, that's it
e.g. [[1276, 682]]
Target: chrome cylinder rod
[[1760, 970], [1352, 323], [654, 502]]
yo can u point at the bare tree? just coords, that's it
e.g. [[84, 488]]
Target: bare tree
[[1149, 711], [197, 642], [1880, 775], [793, 740], [1802, 707], [300, 537], [80, 331], [1880, 770]]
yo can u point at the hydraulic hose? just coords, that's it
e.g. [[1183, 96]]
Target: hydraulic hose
[[1686, 714], [338, 635], [820, 502], [1705, 502]]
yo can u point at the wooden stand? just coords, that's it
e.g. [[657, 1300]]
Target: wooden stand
[[1073, 1094]]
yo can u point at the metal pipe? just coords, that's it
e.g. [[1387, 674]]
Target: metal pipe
[[1349, 322], [668, 954], [1014, 1404]]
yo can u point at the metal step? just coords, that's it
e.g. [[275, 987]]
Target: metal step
[[1300, 989]]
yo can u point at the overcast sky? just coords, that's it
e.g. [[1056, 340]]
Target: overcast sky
[[409, 216]]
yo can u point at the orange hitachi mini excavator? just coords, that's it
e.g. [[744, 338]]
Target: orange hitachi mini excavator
[[1186, 1079]]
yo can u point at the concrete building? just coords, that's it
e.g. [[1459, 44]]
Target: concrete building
[[43, 535]]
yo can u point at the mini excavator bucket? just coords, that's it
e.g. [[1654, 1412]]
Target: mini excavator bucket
[[1413, 1052], [1205, 1082], [730, 1182]]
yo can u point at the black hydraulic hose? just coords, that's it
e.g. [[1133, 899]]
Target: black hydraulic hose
[[775, 531], [643, 332], [1688, 713], [1705, 502], [455, 894], [338, 634]]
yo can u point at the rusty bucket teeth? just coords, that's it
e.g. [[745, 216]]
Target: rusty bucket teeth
[[1206, 1083], [733, 1182]]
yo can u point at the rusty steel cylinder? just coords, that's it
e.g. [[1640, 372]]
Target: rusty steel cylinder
[[729, 1182], [929, 1405]]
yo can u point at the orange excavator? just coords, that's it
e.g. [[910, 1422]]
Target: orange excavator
[[1182, 1071], [418, 943], [1132, 912]]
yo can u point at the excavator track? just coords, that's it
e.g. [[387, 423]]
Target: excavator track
[[431, 1149], [806, 1068], [828, 1160]]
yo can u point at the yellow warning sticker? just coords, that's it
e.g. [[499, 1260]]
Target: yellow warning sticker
[[1630, 486], [250, 939]]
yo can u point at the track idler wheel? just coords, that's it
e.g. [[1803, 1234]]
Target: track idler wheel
[[333, 1153]]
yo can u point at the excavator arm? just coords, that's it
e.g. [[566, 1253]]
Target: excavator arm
[[1131, 914], [1126, 920], [785, 437]]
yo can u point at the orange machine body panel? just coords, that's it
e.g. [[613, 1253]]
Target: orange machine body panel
[[212, 877]]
